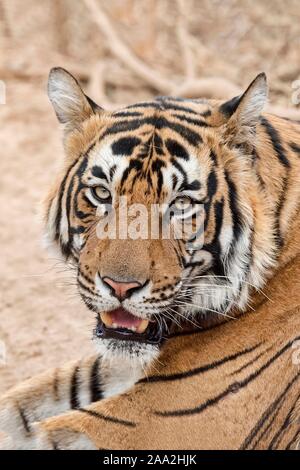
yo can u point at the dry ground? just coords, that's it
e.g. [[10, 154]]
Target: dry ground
[[40, 322]]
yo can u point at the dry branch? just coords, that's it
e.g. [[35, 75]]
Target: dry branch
[[120, 50], [189, 86]]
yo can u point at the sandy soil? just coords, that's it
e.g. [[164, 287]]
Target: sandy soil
[[42, 323]]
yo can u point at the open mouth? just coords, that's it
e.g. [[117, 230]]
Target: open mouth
[[123, 325]]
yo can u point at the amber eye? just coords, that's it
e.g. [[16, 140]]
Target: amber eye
[[101, 193], [183, 203]]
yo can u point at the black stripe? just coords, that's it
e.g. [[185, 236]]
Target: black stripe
[[59, 199], [249, 363], [156, 167], [193, 264], [233, 388], [135, 165], [279, 208], [193, 186], [212, 185], [157, 122], [79, 173], [195, 122], [95, 383], [295, 147], [199, 370], [98, 172], [66, 247], [268, 429], [206, 113], [286, 423], [178, 166], [85, 277], [54, 445], [276, 141], [145, 104], [186, 133], [213, 156], [83, 286], [74, 398], [219, 214], [24, 419], [85, 216], [229, 107], [95, 107], [176, 149], [88, 302], [62, 190], [214, 247], [234, 207], [174, 181], [169, 106], [293, 440], [158, 144], [112, 171], [56, 384], [127, 114], [110, 419], [266, 415], [125, 145], [80, 228], [255, 161]]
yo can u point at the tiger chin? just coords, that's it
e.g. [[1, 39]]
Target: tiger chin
[[191, 158]]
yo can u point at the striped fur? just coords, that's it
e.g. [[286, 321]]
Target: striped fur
[[235, 385]]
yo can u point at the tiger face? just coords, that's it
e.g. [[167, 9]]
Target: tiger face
[[157, 209]]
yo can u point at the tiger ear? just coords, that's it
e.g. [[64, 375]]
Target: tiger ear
[[70, 103], [242, 113]]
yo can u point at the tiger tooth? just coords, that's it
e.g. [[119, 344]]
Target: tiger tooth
[[106, 318], [142, 326], [109, 323]]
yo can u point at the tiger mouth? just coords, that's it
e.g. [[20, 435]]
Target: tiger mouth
[[123, 325]]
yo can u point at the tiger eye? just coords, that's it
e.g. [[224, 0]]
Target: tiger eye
[[183, 203], [101, 193]]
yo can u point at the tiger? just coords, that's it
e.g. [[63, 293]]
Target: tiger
[[197, 336]]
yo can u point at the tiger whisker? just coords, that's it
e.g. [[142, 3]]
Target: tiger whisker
[[229, 278], [207, 309], [185, 318], [169, 315]]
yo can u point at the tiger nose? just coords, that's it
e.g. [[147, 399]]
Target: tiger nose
[[121, 290]]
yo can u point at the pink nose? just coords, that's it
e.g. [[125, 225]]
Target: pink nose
[[121, 290]]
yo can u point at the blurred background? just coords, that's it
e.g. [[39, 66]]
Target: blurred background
[[122, 51]]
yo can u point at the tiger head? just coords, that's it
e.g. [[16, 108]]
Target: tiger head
[[159, 209]]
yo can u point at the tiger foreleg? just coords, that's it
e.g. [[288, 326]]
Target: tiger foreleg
[[46, 395], [92, 427]]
